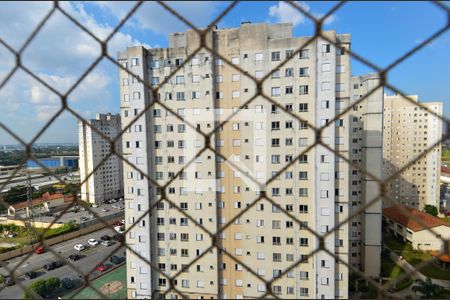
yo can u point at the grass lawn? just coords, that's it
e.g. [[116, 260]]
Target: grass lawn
[[391, 270], [117, 277], [415, 257], [445, 157]]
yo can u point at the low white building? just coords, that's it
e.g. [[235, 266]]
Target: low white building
[[106, 182], [402, 222]]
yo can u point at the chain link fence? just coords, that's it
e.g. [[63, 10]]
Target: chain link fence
[[208, 138]]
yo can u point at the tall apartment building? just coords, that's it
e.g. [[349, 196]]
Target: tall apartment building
[[107, 181], [256, 143], [366, 142], [409, 131]]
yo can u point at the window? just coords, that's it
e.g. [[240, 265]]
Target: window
[[235, 60], [235, 94], [303, 242], [304, 72], [340, 69], [303, 209], [303, 107], [180, 96], [276, 91], [134, 62], [195, 78], [195, 95], [276, 74], [289, 72], [326, 67], [276, 56], [326, 48], [325, 104], [179, 79], [304, 54], [235, 77], [303, 90], [136, 95], [289, 90], [289, 53], [325, 86], [259, 56]]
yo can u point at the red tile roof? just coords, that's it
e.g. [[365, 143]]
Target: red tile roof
[[445, 170], [403, 215], [45, 198], [441, 256]]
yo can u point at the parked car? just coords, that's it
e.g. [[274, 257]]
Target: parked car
[[31, 275], [11, 235], [117, 237], [104, 210], [53, 265], [93, 242], [84, 219], [105, 237], [107, 243], [79, 247], [95, 205], [67, 283], [117, 259], [119, 229], [112, 201], [39, 250], [115, 206], [102, 267], [8, 281], [75, 257]]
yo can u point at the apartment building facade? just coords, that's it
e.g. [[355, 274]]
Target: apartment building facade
[[107, 181], [366, 142], [409, 132], [259, 140]]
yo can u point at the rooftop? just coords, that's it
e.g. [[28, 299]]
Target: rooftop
[[46, 197], [407, 217]]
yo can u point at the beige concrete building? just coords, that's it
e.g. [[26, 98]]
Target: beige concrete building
[[401, 223], [106, 182], [409, 131], [256, 143], [366, 141]]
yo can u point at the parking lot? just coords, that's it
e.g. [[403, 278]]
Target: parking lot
[[92, 256], [82, 217]]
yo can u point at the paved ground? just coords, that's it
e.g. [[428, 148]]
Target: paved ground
[[112, 285], [93, 256], [104, 211]]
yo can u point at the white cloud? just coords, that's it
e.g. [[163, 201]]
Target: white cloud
[[285, 13], [152, 16]]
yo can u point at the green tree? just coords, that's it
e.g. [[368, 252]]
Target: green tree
[[431, 209], [39, 287], [16, 194], [44, 288], [52, 285]]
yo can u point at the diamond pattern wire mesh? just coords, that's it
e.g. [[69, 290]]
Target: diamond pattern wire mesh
[[208, 139]]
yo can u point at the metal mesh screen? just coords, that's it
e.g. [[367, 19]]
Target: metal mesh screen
[[164, 196]]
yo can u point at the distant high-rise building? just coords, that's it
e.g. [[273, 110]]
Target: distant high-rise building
[[410, 131], [366, 142], [107, 181], [256, 143]]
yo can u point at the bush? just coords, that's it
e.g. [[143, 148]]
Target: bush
[[69, 227], [44, 288], [431, 210]]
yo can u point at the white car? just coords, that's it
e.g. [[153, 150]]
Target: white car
[[119, 229], [93, 242], [112, 201], [107, 243], [115, 206], [105, 210], [79, 247], [94, 205]]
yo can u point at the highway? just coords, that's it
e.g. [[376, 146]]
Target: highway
[[93, 255], [38, 181]]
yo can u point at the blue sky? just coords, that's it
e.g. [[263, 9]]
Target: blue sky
[[381, 32]]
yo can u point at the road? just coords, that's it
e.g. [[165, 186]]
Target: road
[[38, 181], [93, 255]]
